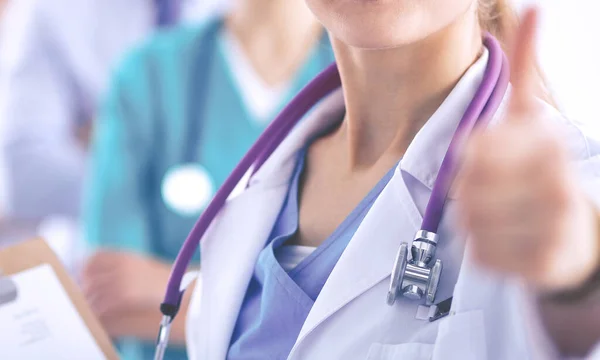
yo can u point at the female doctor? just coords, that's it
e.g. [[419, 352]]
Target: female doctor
[[298, 264]]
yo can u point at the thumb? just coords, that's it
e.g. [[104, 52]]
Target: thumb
[[523, 63]]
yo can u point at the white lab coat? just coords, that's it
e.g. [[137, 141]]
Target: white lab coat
[[492, 317], [56, 59]]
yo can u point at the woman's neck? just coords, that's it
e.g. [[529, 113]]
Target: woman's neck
[[391, 93], [275, 35]]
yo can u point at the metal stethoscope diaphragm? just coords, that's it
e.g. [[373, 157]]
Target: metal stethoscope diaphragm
[[418, 276]]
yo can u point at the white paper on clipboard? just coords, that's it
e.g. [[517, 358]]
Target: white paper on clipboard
[[41, 322]]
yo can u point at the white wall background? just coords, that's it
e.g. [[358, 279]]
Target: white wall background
[[569, 53]]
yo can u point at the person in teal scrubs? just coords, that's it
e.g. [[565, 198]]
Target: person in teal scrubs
[[182, 110]]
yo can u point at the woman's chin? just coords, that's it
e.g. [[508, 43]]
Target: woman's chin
[[370, 24], [375, 37], [380, 24]]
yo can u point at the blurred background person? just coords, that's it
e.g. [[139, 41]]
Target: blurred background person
[[55, 60], [181, 112]]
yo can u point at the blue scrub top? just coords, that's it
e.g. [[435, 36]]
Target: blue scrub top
[[277, 302], [140, 135]]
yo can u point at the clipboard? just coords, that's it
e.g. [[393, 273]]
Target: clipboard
[[35, 252]]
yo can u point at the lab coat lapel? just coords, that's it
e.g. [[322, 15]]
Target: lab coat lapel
[[232, 249], [242, 228], [370, 255]]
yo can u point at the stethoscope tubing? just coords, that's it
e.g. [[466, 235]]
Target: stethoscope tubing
[[480, 111]]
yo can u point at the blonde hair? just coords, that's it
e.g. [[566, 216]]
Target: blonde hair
[[499, 19]]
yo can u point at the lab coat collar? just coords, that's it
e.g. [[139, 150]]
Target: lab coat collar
[[433, 139], [233, 244]]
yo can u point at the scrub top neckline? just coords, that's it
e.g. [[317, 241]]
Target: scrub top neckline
[[292, 204], [315, 57], [358, 211], [289, 256], [260, 98]]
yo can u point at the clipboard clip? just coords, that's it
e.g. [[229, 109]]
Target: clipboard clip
[[8, 290]]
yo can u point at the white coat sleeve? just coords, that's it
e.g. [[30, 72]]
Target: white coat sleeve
[[542, 346], [38, 109]]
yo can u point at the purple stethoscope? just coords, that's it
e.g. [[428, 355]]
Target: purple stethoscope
[[415, 277]]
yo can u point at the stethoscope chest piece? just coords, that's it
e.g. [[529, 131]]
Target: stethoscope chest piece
[[186, 189], [418, 276]]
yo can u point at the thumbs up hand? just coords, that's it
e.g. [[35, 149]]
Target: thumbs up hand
[[519, 200]]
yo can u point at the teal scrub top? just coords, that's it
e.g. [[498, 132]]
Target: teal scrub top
[[141, 133]]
